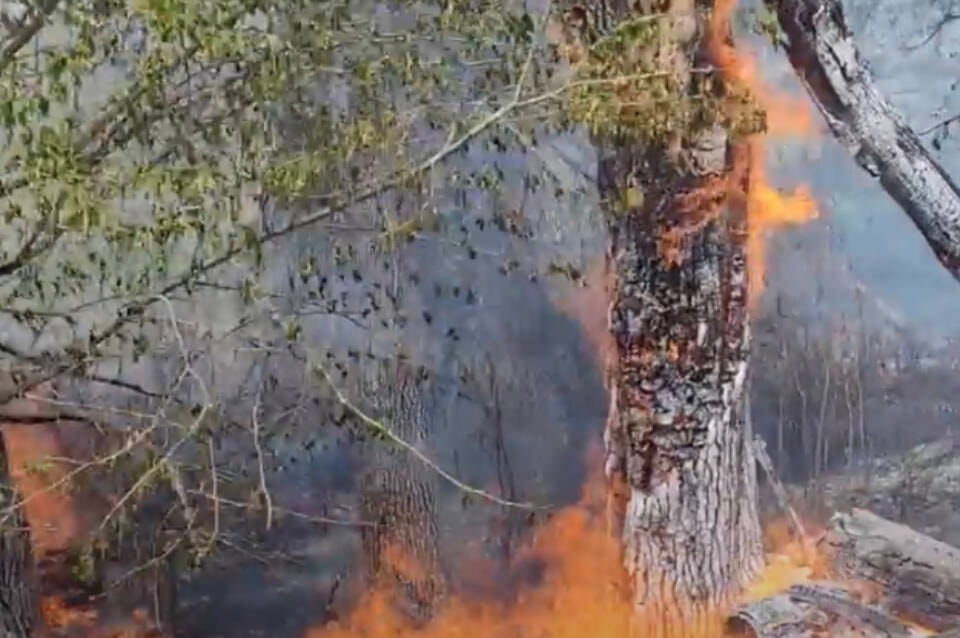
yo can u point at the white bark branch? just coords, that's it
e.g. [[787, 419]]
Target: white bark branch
[[822, 51]]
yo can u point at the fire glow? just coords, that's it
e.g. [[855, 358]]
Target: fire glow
[[582, 591], [767, 207]]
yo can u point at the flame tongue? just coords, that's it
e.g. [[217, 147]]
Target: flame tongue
[[767, 207]]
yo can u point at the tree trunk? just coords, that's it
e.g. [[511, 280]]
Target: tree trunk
[[18, 609], [401, 550], [676, 433], [822, 51]]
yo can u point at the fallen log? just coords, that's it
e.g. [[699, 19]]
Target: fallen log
[[813, 610], [777, 617], [822, 52], [886, 576], [917, 576]]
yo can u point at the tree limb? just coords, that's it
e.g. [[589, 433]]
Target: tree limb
[[944, 122], [821, 49], [29, 28]]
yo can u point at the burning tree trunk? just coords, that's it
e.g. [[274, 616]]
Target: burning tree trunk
[[822, 52], [676, 430], [17, 602], [676, 433], [397, 497]]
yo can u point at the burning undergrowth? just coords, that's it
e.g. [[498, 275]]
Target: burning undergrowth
[[566, 582]]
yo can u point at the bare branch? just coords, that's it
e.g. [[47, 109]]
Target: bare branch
[[264, 491], [28, 251], [381, 428], [126, 385], [822, 51], [29, 28], [947, 122]]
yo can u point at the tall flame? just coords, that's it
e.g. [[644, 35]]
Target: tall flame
[[767, 207]]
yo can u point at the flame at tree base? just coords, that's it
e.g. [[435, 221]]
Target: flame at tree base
[[583, 591]]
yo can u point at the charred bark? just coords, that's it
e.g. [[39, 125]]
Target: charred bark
[[401, 548], [18, 605], [676, 430], [821, 49], [676, 434]]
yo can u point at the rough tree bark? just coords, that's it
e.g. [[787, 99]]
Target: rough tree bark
[[821, 49], [18, 610], [676, 435], [401, 549]]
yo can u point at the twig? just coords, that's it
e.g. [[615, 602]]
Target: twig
[[126, 385], [945, 19], [328, 608], [27, 31], [215, 496], [381, 428], [191, 430], [268, 501], [310, 518], [945, 122]]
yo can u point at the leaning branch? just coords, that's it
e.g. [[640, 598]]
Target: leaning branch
[[25, 32], [821, 49]]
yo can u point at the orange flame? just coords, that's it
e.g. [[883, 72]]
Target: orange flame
[[582, 590], [53, 515], [767, 207]]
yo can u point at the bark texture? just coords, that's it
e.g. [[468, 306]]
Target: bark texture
[[918, 576], [822, 51], [676, 432], [18, 610], [397, 496]]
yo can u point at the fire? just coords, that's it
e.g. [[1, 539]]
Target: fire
[[581, 589], [57, 614], [767, 207], [786, 116], [791, 561], [53, 514]]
